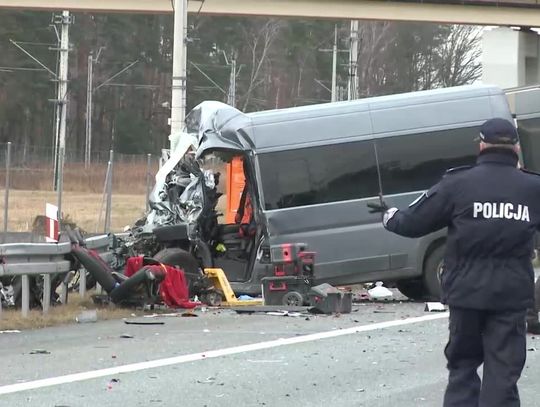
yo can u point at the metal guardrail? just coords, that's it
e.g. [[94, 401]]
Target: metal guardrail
[[46, 259]]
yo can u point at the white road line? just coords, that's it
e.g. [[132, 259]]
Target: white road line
[[134, 367]]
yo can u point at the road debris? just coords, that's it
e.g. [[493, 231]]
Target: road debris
[[87, 317], [143, 322], [10, 331], [269, 308], [111, 382], [434, 307], [380, 292], [126, 336], [209, 379], [285, 314], [40, 352]]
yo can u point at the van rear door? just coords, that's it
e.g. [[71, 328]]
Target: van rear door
[[525, 106]]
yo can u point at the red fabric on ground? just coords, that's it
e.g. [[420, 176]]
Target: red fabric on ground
[[173, 289], [133, 265]]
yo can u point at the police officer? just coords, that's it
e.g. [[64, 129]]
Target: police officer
[[492, 211]]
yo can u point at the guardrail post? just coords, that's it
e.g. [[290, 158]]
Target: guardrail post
[[25, 295], [64, 292], [46, 293], [6, 190], [82, 282]]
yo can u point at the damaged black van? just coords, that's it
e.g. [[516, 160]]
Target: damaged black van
[[309, 173]]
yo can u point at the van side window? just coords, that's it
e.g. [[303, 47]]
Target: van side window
[[529, 138], [321, 174], [416, 162]]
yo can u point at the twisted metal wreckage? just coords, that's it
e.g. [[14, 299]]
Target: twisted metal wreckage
[[178, 230]]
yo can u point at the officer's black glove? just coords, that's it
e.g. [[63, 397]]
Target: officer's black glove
[[380, 207]]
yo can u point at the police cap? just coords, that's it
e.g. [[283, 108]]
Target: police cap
[[498, 131]]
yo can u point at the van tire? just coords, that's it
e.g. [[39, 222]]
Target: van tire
[[184, 260], [412, 289], [432, 273]]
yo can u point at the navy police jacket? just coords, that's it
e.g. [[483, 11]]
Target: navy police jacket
[[492, 211]]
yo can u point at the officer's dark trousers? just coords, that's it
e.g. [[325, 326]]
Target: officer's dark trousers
[[498, 340]]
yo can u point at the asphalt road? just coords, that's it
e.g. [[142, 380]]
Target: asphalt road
[[399, 365]]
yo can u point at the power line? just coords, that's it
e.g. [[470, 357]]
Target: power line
[[14, 68], [33, 57]]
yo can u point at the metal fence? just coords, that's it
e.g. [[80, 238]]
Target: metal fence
[[90, 196]]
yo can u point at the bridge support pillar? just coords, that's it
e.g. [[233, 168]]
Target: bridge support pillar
[[510, 57]]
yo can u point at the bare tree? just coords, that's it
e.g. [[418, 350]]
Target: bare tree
[[259, 40], [375, 39], [459, 57]]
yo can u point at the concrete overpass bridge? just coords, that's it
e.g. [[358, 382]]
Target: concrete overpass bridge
[[474, 12]]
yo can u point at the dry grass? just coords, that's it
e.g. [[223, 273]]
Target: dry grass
[[128, 178], [59, 315], [82, 207]]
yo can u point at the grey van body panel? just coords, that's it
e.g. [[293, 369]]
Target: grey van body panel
[[527, 103], [350, 242]]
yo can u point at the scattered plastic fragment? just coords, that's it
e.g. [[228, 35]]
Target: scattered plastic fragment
[[434, 307], [285, 314], [208, 380], [380, 292], [245, 298], [126, 336], [10, 331], [87, 316]]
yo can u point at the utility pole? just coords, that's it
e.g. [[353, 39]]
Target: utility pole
[[64, 20], [89, 94], [334, 66], [231, 94], [335, 89], [353, 62], [178, 99], [89, 106]]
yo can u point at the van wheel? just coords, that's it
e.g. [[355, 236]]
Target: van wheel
[[413, 289], [184, 260], [433, 268]]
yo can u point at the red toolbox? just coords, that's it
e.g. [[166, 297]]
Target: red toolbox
[[292, 259], [286, 290]]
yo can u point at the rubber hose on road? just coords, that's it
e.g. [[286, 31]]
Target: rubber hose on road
[[128, 287], [98, 269]]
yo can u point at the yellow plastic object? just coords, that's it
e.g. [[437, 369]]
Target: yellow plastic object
[[220, 282]]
